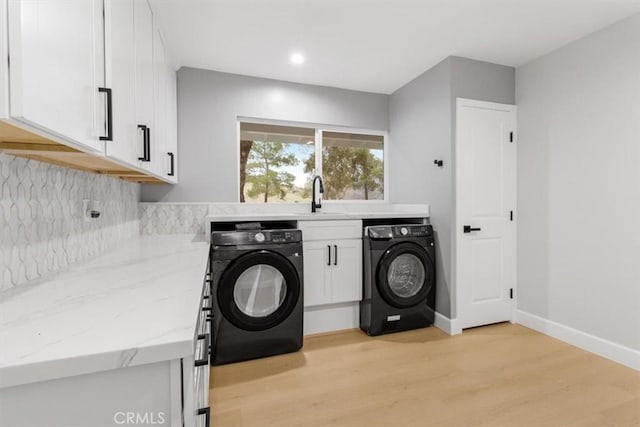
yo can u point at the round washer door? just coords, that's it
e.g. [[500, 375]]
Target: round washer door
[[405, 275], [258, 290]]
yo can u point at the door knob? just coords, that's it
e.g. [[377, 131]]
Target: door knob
[[468, 229]]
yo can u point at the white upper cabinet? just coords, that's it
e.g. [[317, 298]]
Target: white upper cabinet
[[165, 149], [120, 78], [92, 75], [56, 68], [143, 87], [4, 69], [144, 35], [159, 138], [172, 125]]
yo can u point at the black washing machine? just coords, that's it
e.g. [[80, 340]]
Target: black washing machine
[[257, 286], [399, 278]]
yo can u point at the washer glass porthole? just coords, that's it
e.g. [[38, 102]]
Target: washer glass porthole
[[406, 275], [260, 290]]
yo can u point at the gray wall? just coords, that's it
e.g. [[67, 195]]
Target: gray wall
[[209, 104], [422, 129], [579, 185]]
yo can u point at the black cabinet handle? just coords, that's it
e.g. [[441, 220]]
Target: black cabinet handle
[[148, 131], [329, 252], [335, 261], [207, 413], [172, 170], [109, 136], [145, 143], [207, 344], [468, 229]]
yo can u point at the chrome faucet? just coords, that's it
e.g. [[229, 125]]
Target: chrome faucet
[[315, 205]]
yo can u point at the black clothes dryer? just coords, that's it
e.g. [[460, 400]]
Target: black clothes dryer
[[399, 278], [256, 286]]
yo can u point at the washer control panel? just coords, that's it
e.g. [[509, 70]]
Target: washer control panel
[[235, 238], [383, 232], [411, 230], [286, 236]]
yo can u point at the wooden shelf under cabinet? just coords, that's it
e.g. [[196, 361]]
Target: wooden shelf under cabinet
[[22, 143]]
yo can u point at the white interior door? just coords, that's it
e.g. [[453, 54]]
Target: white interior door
[[485, 212]]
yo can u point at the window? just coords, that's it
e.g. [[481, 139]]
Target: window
[[277, 163], [273, 163], [352, 166]]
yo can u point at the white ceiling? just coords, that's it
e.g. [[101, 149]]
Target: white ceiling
[[372, 45]]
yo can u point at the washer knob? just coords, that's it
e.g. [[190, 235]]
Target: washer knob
[[259, 237], [404, 231]]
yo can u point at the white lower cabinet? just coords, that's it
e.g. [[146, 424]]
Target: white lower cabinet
[[317, 273], [332, 264], [145, 395], [169, 393], [346, 271]]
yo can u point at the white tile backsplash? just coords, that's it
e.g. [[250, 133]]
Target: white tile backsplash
[[42, 226], [171, 218], [160, 218]]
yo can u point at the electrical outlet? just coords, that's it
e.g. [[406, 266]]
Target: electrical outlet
[[90, 210]]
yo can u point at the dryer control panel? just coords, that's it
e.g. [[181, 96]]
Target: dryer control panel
[[255, 237], [398, 231]]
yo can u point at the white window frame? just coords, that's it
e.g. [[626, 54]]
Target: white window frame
[[319, 129]]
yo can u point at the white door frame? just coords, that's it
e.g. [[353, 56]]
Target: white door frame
[[457, 223]]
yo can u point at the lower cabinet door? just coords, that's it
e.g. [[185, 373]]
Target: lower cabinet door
[[346, 271], [317, 272], [202, 414]]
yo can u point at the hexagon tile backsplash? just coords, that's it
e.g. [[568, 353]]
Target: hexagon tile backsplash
[[42, 225]]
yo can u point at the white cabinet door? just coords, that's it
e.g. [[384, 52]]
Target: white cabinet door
[[57, 65], [4, 66], [172, 125], [121, 77], [144, 77], [317, 273], [346, 271], [159, 134]]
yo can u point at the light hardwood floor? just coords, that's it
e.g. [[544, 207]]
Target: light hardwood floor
[[499, 375]]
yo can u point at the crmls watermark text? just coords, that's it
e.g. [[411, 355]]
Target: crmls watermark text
[[139, 418]]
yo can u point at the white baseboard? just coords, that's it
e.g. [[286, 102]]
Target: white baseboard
[[610, 350], [449, 326]]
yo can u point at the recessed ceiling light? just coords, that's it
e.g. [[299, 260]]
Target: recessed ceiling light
[[297, 58]]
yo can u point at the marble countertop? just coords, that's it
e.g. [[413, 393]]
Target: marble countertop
[[330, 213], [134, 305]]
